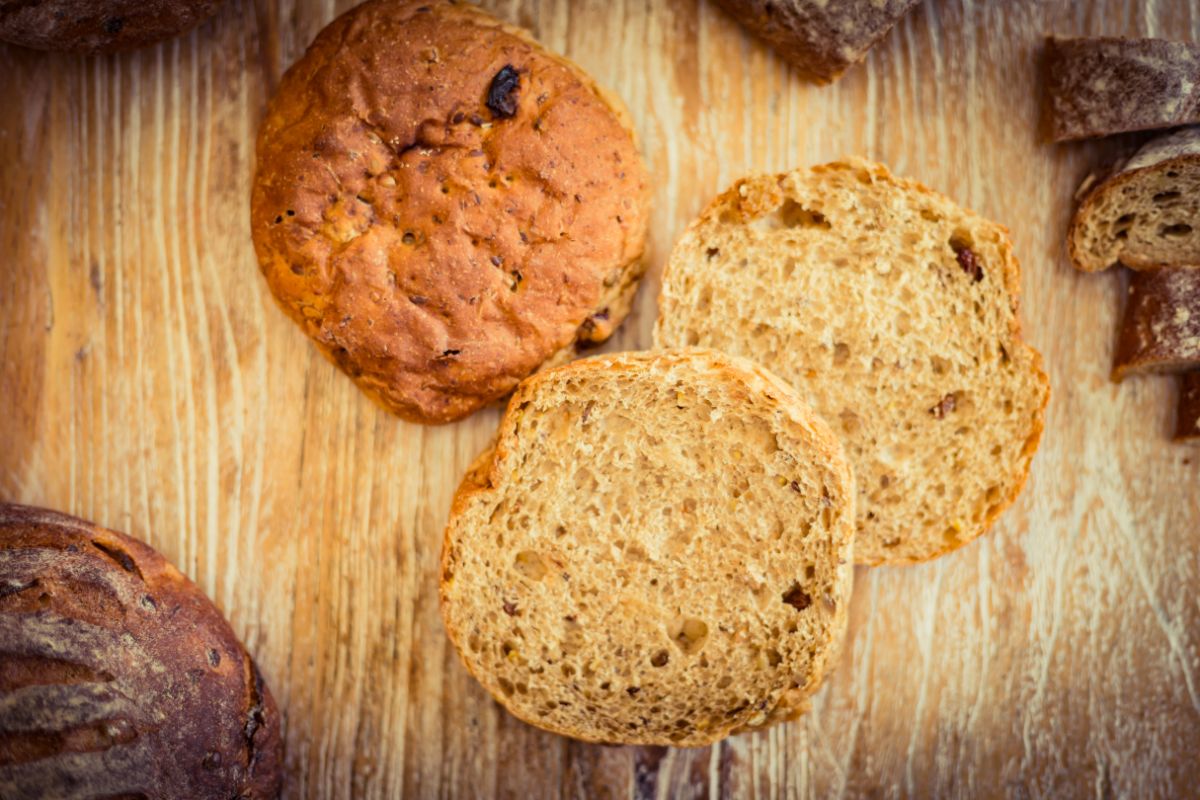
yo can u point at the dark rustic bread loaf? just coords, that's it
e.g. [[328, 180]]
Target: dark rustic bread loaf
[[118, 677], [1161, 329], [655, 551], [1187, 420], [98, 26], [1146, 213], [444, 206], [1102, 86], [820, 38]]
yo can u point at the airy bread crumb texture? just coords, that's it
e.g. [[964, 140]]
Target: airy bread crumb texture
[[656, 551], [894, 314], [1147, 215]]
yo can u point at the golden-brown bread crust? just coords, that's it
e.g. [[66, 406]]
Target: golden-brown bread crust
[[435, 248], [87, 26], [1161, 327], [1187, 420], [118, 676]]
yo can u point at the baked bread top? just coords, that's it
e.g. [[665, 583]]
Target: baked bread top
[[98, 26], [443, 205], [655, 551], [1146, 212], [118, 676], [893, 312]]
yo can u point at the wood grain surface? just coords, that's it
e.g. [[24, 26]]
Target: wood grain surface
[[148, 382]]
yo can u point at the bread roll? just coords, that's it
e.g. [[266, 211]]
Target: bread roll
[[444, 206]]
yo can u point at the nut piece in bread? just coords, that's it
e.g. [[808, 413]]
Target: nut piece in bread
[[655, 551], [444, 206], [1147, 214], [893, 312], [1187, 420], [98, 26], [821, 39], [1101, 86], [119, 678], [1161, 329]]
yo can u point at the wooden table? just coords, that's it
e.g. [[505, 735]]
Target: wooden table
[[148, 382]]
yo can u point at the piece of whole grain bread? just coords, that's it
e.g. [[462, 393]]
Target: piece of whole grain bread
[[1105, 85], [1146, 214], [1161, 327], [893, 312], [821, 39], [655, 551]]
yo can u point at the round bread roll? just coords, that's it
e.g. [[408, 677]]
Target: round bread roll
[[444, 206], [99, 26], [118, 677], [655, 551]]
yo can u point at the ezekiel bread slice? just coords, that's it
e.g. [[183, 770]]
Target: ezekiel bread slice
[[893, 311], [1146, 214], [655, 551]]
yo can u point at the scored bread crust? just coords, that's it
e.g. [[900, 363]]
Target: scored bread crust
[[121, 678], [699, 305], [486, 478], [98, 26], [433, 246], [1159, 188]]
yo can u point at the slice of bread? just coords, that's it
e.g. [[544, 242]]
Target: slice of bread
[[655, 551], [893, 311], [1147, 214]]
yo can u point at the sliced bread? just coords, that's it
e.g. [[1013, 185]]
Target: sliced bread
[[1147, 213], [655, 551], [893, 312]]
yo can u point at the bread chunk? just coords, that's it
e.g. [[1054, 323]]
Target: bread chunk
[[444, 206], [655, 551], [893, 312], [98, 26], [1161, 329], [1146, 214], [821, 39], [1106, 85], [119, 678]]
